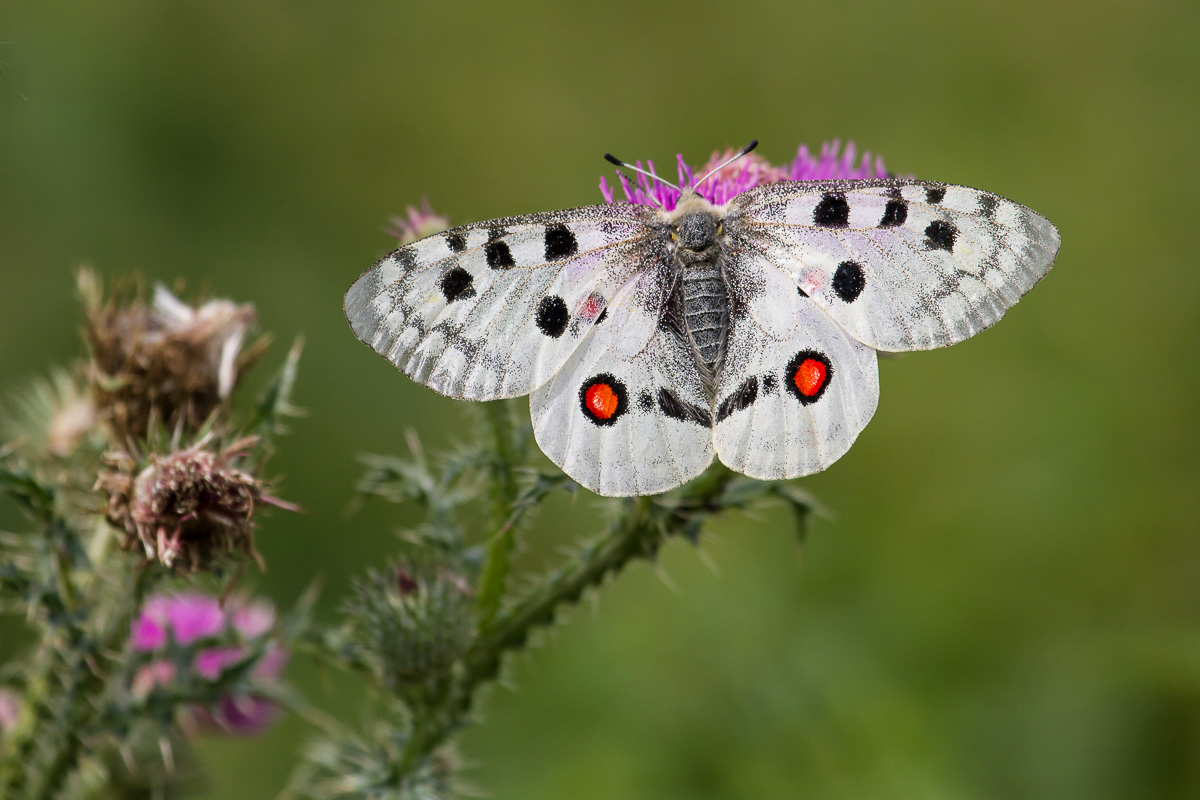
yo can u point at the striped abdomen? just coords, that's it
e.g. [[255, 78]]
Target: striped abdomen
[[706, 314]]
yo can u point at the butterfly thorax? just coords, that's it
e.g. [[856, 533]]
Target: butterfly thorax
[[700, 304]]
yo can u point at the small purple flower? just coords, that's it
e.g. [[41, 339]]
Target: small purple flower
[[187, 617], [418, 223], [190, 617], [10, 710], [745, 173]]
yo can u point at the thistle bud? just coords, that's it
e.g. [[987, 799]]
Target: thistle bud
[[166, 361], [188, 510], [351, 768], [411, 621]]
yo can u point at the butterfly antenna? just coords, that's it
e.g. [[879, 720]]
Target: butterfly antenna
[[610, 158], [744, 151]]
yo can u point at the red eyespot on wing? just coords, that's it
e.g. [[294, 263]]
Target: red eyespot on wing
[[602, 399], [808, 375]]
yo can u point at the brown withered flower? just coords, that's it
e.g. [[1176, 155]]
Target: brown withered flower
[[189, 510], [166, 360]]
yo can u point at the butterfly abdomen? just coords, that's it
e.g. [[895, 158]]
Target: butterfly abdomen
[[705, 301]]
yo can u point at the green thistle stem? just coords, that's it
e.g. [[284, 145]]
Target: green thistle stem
[[638, 532], [85, 680], [498, 560], [504, 478]]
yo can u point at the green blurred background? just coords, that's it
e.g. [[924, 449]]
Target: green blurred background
[[1005, 603]]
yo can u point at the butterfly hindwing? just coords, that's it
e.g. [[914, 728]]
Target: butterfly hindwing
[[493, 309], [900, 264], [624, 426], [790, 406]]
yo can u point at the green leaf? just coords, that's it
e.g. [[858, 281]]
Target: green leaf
[[275, 402], [35, 497]]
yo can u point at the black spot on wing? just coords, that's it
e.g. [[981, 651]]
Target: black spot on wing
[[849, 280], [457, 284], [935, 194], [742, 397], [560, 242], [894, 214], [646, 401], [498, 255], [987, 206], [552, 316], [405, 258], [802, 292], [603, 316], [673, 407], [456, 242], [940, 235], [769, 383], [832, 212]]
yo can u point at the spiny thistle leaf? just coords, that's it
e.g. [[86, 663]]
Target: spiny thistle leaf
[[34, 496]]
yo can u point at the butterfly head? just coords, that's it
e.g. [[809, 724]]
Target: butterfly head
[[695, 227]]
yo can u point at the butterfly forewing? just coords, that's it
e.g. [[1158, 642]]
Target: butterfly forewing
[[493, 309], [901, 265]]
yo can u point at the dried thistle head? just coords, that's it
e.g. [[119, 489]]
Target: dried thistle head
[[189, 510], [165, 361]]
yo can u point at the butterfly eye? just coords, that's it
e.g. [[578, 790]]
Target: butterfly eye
[[720, 228], [674, 234]]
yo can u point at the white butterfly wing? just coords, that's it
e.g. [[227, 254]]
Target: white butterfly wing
[[796, 389], [494, 309], [900, 264], [626, 426]]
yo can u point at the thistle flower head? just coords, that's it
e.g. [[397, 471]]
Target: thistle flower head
[[417, 223], [166, 361], [190, 509], [745, 173], [221, 638], [411, 620]]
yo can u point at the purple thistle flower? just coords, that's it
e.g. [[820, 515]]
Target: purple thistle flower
[[189, 617], [745, 173]]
